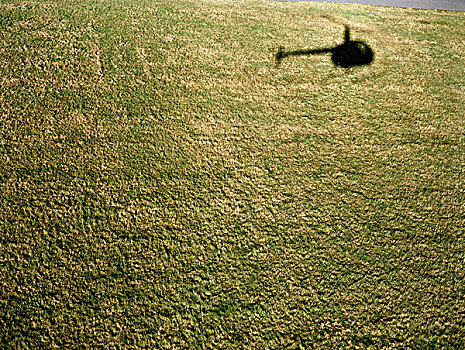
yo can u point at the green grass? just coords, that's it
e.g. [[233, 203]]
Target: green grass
[[164, 185]]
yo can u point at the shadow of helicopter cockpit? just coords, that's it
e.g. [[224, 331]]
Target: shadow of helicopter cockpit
[[348, 54]]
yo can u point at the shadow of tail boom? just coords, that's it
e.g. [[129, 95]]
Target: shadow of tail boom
[[281, 54]]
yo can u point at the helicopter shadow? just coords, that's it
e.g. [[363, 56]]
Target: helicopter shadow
[[350, 53]]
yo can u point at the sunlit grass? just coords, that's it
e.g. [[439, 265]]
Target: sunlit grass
[[165, 185]]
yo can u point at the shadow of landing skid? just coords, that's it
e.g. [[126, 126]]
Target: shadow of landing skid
[[349, 54]]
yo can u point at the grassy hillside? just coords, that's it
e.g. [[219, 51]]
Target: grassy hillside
[[163, 184]]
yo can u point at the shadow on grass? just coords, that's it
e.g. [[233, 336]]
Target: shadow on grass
[[348, 54]]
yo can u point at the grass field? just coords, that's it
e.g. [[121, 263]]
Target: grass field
[[164, 184]]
